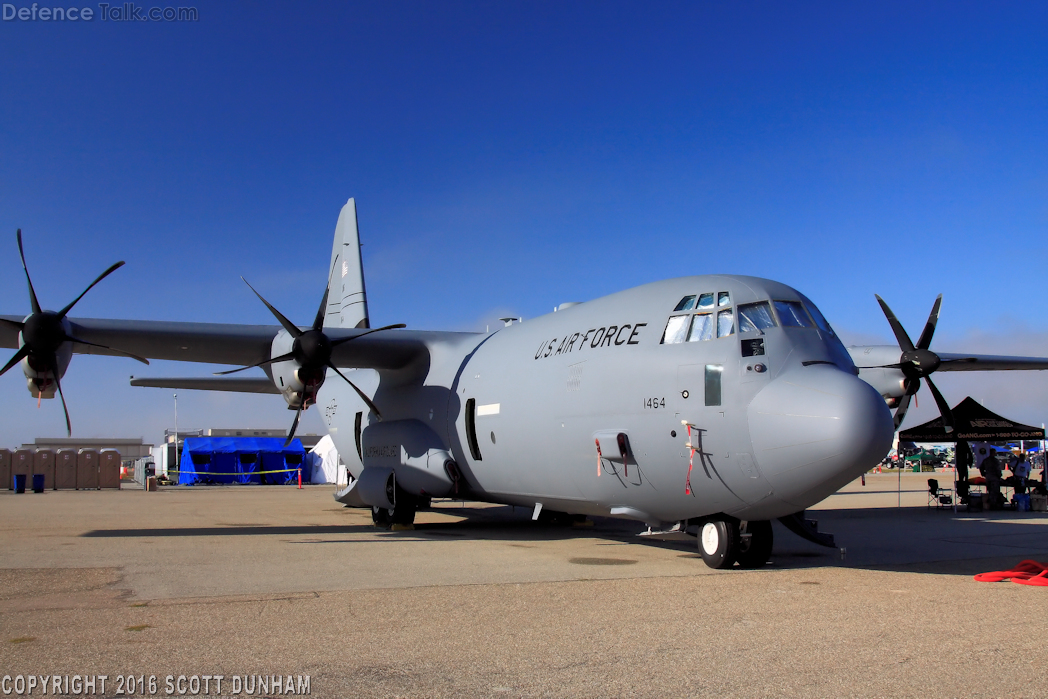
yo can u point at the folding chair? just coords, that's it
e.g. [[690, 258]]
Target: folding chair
[[937, 496]]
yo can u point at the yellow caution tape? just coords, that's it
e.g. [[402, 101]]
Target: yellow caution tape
[[239, 473]]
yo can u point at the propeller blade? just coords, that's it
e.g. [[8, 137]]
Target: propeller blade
[[19, 356], [900, 413], [929, 328], [112, 268], [294, 426], [363, 396], [344, 340], [70, 338], [32, 294], [12, 323], [900, 332], [318, 322], [58, 384], [944, 407], [281, 358], [288, 325]]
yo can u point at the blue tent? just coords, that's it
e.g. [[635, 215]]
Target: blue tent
[[240, 460]]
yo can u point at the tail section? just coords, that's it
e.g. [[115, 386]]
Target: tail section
[[347, 299]]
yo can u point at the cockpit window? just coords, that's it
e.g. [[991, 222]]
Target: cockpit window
[[701, 328], [686, 304], [723, 299], [820, 321], [725, 322], [793, 315], [706, 301], [755, 317], [676, 329]]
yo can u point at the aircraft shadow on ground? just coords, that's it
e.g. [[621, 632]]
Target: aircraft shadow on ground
[[917, 540]]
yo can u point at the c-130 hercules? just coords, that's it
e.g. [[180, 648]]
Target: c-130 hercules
[[708, 404]]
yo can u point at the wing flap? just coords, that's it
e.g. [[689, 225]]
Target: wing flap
[[210, 383]]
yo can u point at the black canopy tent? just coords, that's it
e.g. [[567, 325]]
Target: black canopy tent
[[972, 423]]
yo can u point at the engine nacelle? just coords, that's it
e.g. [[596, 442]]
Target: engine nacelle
[[298, 386], [39, 378], [890, 383]]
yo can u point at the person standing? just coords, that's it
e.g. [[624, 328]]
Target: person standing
[[1020, 472], [991, 469], [963, 458]]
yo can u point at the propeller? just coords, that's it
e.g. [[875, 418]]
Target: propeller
[[312, 351], [44, 332], [918, 362]]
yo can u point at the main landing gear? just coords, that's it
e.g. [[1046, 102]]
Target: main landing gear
[[724, 541], [401, 516]]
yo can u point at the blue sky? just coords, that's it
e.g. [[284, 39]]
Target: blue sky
[[507, 157]]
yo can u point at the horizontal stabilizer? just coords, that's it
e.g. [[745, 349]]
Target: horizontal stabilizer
[[211, 383]]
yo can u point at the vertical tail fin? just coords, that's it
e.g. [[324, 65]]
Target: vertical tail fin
[[347, 298]]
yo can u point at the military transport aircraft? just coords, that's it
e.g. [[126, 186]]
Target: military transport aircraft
[[709, 404]]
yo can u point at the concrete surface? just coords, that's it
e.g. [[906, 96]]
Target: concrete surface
[[480, 601]]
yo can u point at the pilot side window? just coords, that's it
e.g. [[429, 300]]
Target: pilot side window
[[701, 327], [725, 323], [676, 329], [686, 304], [820, 321], [793, 315], [755, 317], [705, 301], [723, 299]]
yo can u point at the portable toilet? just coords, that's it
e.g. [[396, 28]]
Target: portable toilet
[[5, 468], [109, 468], [21, 464], [87, 469], [44, 463], [65, 469]]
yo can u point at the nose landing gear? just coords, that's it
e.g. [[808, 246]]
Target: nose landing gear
[[724, 541]]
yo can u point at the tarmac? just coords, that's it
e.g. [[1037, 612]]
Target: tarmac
[[479, 601]]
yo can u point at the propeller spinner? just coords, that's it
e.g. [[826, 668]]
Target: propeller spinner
[[44, 332]]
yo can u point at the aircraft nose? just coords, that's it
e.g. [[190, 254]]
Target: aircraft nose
[[816, 428]]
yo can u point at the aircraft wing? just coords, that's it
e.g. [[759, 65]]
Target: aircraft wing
[[876, 356], [221, 343], [989, 362]]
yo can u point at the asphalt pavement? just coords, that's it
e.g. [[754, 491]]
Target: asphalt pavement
[[478, 600]]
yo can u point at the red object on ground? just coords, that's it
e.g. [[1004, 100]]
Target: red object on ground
[[300, 479], [1026, 573]]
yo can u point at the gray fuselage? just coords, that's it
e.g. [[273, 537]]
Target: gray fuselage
[[778, 418]]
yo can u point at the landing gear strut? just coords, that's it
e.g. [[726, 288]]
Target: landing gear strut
[[725, 541]]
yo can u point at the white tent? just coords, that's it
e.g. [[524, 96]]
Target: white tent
[[324, 458]]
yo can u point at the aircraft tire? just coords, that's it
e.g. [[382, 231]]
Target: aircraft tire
[[719, 543], [757, 551], [381, 517], [403, 513]]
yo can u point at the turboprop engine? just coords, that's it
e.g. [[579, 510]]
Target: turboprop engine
[[46, 342], [40, 375], [299, 360], [300, 377]]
